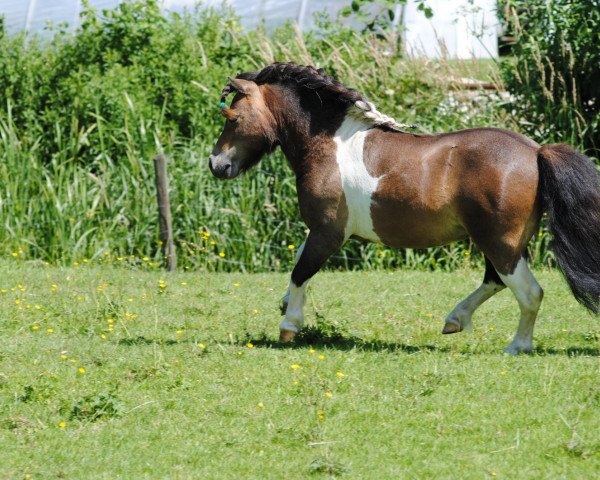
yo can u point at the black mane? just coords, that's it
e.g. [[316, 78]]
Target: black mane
[[302, 76]]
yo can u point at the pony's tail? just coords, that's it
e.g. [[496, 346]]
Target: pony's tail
[[570, 192]]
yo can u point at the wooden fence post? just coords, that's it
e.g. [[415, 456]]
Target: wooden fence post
[[164, 212]]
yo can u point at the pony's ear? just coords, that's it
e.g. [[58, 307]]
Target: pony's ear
[[229, 114], [245, 87]]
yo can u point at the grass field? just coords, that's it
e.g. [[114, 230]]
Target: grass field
[[117, 373]]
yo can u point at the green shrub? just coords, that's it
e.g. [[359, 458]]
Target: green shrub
[[83, 116], [554, 73]]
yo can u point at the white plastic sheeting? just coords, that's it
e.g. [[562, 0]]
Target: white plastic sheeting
[[459, 28]]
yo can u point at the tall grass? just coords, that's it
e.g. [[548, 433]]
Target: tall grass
[[81, 122]]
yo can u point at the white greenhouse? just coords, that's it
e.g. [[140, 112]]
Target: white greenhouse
[[458, 28]]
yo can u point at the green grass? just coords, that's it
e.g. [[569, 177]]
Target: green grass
[[411, 403]]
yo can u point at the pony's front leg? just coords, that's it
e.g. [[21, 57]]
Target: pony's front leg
[[317, 249], [286, 298]]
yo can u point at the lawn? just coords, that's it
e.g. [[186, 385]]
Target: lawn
[[111, 372]]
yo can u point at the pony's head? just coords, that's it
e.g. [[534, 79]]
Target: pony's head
[[249, 133], [281, 98]]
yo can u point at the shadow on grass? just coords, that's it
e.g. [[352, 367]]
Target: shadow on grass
[[141, 340], [569, 351], [315, 336]]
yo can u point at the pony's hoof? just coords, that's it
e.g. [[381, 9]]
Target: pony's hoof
[[286, 336], [451, 327], [518, 348]]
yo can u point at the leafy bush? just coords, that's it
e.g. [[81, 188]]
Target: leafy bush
[[83, 116], [555, 72]]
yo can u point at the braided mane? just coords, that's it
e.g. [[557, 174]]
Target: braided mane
[[316, 79]]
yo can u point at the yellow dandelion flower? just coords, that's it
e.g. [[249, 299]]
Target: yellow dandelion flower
[[37, 307], [50, 330], [295, 366], [291, 246], [120, 259], [35, 327], [179, 332], [201, 346], [53, 287], [110, 329], [502, 373], [76, 264], [236, 284], [73, 360], [260, 405], [321, 357], [312, 351], [340, 375], [17, 301], [146, 259], [63, 357], [102, 336], [222, 254], [250, 345], [62, 424], [491, 329], [81, 370], [295, 382], [85, 260], [328, 394], [184, 283], [240, 353], [4, 290], [321, 415], [15, 254]]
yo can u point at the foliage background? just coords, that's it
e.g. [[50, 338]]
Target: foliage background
[[83, 116], [554, 70]]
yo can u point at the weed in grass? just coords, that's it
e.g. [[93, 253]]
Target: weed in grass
[[93, 407]]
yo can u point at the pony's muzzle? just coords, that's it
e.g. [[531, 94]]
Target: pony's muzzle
[[222, 165]]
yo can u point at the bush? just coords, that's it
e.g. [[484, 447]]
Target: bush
[[83, 116], [554, 73]]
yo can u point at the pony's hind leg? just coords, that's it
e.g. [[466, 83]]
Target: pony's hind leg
[[459, 319], [529, 294]]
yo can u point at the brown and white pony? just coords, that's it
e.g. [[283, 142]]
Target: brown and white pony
[[359, 175]]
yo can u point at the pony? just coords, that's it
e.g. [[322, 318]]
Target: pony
[[360, 174]]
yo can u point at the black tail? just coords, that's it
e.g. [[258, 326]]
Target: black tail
[[570, 191]]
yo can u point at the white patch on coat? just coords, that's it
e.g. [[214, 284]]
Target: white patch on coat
[[463, 312], [358, 185], [294, 315], [286, 298], [529, 295]]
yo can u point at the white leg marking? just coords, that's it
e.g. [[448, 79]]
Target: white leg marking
[[529, 295], [294, 315], [286, 298], [462, 313], [358, 185]]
